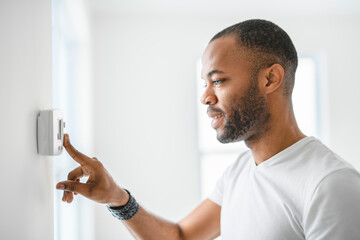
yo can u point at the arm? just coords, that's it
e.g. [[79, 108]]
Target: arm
[[202, 223]]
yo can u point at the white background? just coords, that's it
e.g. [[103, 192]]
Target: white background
[[145, 97], [144, 108]]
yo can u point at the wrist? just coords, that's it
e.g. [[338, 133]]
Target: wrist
[[121, 198], [126, 212]]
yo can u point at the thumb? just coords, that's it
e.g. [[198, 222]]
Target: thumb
[[73, 186]]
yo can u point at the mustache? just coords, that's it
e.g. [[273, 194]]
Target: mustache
[[213, 109]]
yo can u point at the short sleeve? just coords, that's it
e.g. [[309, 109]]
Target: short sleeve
[[217, 194], [333, 212]]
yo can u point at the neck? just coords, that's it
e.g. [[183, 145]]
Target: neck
[[282, 132]]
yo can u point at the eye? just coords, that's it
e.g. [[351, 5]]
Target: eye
[[217, 82]]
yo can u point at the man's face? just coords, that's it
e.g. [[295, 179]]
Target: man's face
[[238, 109]]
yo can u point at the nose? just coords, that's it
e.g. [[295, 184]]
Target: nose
[[208, 97]]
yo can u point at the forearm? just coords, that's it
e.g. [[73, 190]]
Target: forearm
[[145, 225], [101, 188], [202, 223]]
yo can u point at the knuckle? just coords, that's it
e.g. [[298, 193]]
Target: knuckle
[[76, 153], [98, 164], [69, 176]]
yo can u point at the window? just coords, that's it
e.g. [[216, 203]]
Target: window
[[71, 89]]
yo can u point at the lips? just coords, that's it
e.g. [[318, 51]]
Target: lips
[[214, 114], [217, 120], [217, 117]]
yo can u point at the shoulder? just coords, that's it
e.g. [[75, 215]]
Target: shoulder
[[326, 158], [314, 162], [319, 164], [340, 180], [341, 183], [333, 211], [323, 161]]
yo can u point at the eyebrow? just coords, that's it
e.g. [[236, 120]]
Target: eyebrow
[[213, 72]]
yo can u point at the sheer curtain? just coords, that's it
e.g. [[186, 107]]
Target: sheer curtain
[[72, 94]]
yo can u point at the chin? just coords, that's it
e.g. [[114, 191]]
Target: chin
[[224, 139], [226, 136]]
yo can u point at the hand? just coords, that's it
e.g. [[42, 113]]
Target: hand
[[99, 187]]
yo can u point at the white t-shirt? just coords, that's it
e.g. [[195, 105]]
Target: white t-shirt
[[304, 192]]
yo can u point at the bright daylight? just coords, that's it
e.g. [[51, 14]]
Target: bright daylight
[[179, 120]]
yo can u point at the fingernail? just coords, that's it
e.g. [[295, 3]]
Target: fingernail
[[61, 187]]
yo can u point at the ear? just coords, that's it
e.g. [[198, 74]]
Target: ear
[[271, 78]]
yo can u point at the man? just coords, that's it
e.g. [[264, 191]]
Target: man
[[287, 186]]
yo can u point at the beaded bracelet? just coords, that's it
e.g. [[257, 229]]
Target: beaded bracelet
[[127, 211]]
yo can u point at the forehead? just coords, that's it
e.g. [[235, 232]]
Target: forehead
[[225, 55]]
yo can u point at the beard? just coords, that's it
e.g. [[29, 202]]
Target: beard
[[248, 117]]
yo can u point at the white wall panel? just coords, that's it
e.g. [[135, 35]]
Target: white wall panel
[[26, 203]]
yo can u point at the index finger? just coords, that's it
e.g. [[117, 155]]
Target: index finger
[[82, 159]]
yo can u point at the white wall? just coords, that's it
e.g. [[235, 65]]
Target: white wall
[[336, 40], [145, 104], [144, 115], [26, 204]]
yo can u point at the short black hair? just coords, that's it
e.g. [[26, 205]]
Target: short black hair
[[267, 44]]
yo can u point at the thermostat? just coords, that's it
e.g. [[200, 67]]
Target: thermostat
[[50, 132]]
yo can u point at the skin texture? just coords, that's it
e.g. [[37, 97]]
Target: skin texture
[[273, 127], [244, 113], [249, 107]]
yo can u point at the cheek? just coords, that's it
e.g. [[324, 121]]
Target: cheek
[[227, 100]]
